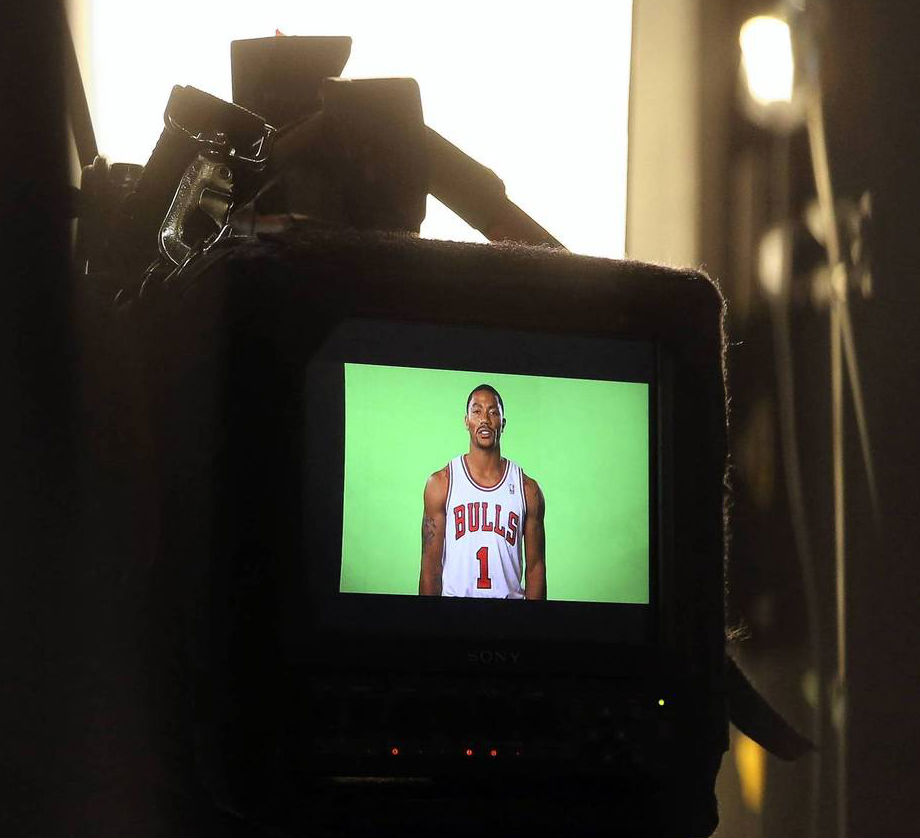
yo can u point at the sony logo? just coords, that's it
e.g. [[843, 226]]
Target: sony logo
[[490, 657]]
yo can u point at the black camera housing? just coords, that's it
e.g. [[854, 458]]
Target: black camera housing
[[294, 719]]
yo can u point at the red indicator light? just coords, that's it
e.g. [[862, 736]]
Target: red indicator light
[[469, 752], [493, 753], [395, 752]]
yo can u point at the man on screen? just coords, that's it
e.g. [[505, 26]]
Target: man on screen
[[482, 515]]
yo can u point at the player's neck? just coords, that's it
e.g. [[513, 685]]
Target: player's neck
[[485, 464]]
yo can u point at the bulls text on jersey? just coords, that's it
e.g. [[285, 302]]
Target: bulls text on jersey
[[477, 517]]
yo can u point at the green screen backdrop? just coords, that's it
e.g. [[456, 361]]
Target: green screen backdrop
[[585, 442]]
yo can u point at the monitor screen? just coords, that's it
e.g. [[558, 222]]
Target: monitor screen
[[585, 442], [389, 410]]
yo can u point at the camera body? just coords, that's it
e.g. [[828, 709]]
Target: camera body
[[313, 699], [300, 696]]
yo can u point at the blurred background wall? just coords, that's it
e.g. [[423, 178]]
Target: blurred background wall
[[747, 183]]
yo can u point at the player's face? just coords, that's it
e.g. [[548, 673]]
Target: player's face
[[484, 420]]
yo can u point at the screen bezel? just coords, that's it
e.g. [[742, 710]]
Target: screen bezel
[[432, 346]]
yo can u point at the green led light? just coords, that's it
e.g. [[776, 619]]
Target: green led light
[[661, 702]]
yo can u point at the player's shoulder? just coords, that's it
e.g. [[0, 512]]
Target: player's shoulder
[[438, 481], [529, 482], [532, 490], [442, 474]]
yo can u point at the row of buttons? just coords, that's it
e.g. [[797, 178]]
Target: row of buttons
[[399, 721]]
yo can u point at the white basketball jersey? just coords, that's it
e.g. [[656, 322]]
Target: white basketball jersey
[[483, 535]]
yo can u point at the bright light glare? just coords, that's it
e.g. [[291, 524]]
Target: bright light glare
[[766, 50], [539, 97], [771, 259]]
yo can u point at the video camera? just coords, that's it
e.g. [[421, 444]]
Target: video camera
[[305, 360]]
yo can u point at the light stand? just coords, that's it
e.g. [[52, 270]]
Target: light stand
[[842, 351]]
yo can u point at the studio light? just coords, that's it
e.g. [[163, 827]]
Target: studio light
[[770, 93], [766, 56]]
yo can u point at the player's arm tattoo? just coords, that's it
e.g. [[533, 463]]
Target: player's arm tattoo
[[428, 530], [435, 497]]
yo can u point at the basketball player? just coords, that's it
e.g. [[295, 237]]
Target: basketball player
[[482, 516]]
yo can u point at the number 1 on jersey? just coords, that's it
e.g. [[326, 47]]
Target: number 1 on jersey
[[482, 555]]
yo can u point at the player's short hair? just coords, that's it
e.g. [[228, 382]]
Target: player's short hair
[[492, 390]]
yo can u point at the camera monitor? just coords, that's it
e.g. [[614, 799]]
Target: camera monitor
[[346, 363], [575, 429], [321, 381]]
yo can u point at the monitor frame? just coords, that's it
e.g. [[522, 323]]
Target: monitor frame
[[377, 629], [264, 313]]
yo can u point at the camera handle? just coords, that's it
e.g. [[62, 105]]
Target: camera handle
[[409, 161], [477, 195]]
